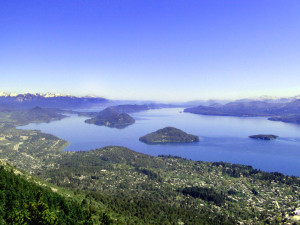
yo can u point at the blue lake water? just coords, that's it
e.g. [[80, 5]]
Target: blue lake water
[[221, 138]]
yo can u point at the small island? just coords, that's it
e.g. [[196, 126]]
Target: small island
[[169, 135], [110, 118], [264, 137]]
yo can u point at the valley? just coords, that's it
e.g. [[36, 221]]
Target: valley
[[123, 186], [149, 112]]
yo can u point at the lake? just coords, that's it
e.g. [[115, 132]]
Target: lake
[[221, 138]]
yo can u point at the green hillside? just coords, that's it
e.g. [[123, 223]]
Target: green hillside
[[24, 201], [125, 180]]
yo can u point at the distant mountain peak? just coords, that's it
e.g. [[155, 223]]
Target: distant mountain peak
[[51, 95], [264, 97], [91, 96], [5, 94]]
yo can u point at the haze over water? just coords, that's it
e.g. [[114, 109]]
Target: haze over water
[[221, 138]]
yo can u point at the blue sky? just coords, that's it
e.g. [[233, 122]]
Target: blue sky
[[152, 50]]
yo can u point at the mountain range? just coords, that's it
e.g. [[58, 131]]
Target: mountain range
[[48, 100], [251, 108]]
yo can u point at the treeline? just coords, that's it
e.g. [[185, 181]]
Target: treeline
[[25, 202]]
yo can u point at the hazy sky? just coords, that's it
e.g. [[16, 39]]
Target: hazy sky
[[151, 49]]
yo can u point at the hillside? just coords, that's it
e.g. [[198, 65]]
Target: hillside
[[36, 114], [110, 118], [23, 200], [168, 135], [142, 189], [17, 117], [29, 149], [172, 189]]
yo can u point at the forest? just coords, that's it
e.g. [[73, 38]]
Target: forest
[[25, 202]]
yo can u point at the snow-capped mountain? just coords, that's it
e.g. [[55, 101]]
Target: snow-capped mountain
[[50, 100], [51, 95], [46, 95], [5, 94], [271, 99]]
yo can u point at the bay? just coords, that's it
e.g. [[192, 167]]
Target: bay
[[221, 138]]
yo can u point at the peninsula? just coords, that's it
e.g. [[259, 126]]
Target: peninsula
[[169, 135], [284, 112], [110, 118], [286, 119]]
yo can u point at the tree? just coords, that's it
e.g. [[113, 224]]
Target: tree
[[37, 213]]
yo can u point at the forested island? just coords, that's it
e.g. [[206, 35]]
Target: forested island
[[110, 118], [169, 135], [264, 137]]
